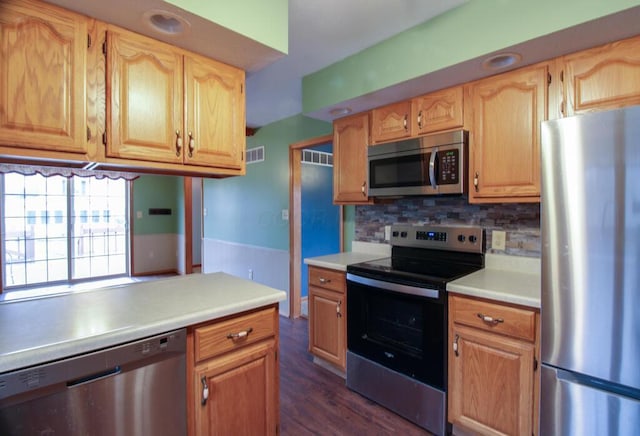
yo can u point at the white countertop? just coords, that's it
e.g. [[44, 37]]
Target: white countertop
[[362, 252], [51, 328], [507, 279]]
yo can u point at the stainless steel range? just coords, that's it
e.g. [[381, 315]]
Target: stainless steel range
[[397, 319]]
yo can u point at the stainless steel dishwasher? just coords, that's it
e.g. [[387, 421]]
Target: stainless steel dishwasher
[[138, 388]]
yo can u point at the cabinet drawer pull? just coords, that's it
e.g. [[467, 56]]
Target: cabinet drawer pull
[[178, 143], [205, 390], [242, 334], [420, 120], [489, 319], [404, 122], [362, 188], [192, 144], [324, 281]]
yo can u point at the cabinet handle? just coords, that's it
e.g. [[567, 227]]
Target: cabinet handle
[[420, 120], [323, 280], [192, 143], [205, 390], [404, 122], [489, 319], [242, 334], [338, 310], [362, 189], [455, 345], [178, 143], [476, 181]]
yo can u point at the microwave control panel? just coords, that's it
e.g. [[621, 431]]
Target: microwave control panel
[[448, 166]]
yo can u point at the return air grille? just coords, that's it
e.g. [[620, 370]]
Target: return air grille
[[255, 155], [317, 158]]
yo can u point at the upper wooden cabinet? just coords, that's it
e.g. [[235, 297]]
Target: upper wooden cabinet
[[350, 141], [144, 111], [437, 111], [43, 59], [214, 113], [151, 119], [606, 77], [391, 122], [427, 113], [503, 117]]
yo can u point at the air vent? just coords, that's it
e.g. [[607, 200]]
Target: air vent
[[313, 157], [255, 155]]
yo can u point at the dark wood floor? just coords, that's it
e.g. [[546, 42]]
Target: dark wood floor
[[314, 401]]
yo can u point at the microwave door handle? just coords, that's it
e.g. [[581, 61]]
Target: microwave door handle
[[432, 168]]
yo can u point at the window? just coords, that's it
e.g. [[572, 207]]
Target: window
[[47, 235]]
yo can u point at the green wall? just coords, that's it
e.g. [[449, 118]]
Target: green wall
[[264, 21], [474, 29], [151, 191], [248, 210]]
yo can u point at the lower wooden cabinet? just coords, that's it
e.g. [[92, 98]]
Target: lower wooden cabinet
[[234, 377], [328, 316], [493, 378]]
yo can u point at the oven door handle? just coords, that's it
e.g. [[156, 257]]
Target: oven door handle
[[395, 287]]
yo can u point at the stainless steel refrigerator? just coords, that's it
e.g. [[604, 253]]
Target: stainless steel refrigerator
[[590, 311]]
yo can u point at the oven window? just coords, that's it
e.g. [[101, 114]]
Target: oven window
[[400, 331], [410, 170]]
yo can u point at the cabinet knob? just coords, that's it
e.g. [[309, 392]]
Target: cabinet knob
[[192, 144], [178, 143]]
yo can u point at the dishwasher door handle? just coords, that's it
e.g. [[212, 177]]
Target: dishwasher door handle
[[94, 377]]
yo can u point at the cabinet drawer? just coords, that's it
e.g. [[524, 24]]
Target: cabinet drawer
[[234, 333], [327, 278], [498, 318]]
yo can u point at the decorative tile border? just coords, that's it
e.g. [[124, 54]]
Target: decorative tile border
[[521, 221]]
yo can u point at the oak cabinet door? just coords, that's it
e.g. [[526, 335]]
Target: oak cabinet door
[[327, 325], [606, 77], [491, 383], [391, 122], [241, 393], [215, 114], [144, 109], [43, 61], [437, 111], [505, 135], [350, 141]]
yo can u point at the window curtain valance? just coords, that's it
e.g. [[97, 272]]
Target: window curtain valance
[[47, 171]]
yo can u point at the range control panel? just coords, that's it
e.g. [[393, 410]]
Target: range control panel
[[454, 238]]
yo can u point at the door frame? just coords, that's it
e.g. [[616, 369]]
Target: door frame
[[295, 219]]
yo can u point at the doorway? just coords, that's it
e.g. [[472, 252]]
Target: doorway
[[295, 221]]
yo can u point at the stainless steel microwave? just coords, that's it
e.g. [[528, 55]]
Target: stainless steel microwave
[[428, 165]]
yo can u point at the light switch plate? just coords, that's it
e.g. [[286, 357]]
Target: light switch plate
[[498, 240], [285, 214]]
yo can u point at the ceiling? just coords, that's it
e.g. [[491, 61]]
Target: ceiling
[[320, 33]]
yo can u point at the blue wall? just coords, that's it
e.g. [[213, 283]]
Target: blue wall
[[320, 217]]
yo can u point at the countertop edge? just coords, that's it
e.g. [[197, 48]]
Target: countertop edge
[[61, 350]]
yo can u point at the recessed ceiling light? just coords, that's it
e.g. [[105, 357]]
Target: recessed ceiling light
[[502, 60], [165, 22], [336, 112]]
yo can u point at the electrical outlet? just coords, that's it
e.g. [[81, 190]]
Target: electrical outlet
[[139, 214], [250, 274], [498, 240], [285, 214]]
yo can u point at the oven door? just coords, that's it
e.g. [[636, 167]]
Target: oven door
[[399, 326]]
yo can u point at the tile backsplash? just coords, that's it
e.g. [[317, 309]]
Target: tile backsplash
[[520, 221]]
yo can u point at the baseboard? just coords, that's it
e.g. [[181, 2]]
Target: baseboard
[[329, 367], [155, 273]]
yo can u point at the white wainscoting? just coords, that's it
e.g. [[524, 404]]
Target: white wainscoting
[[269, 266], [155, 253]]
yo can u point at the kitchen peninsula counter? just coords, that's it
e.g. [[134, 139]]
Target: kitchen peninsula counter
[[50, 328]]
